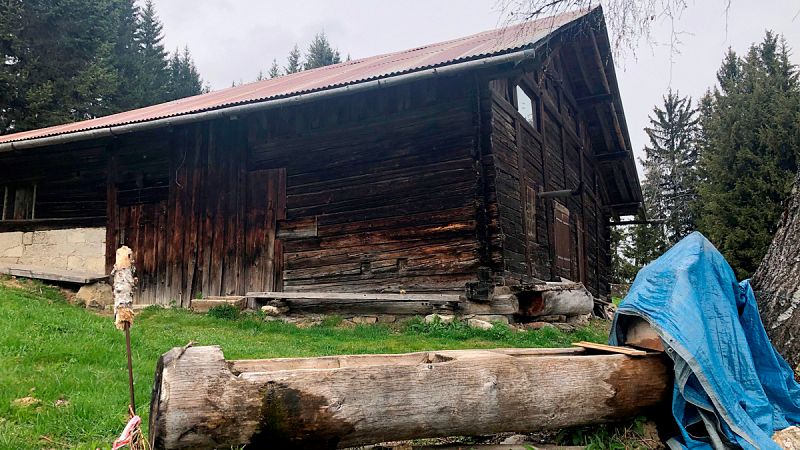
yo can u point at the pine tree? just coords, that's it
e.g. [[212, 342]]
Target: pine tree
[[750, 151], [274, 70], [670, 166], [293, 64], [320, 53], [153, 57]]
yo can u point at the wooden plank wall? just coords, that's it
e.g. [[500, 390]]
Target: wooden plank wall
[[69, 183], [549, 155], [382, 187], [180, 204]]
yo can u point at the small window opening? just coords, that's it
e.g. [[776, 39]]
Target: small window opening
[[526, 106], [19, 202]]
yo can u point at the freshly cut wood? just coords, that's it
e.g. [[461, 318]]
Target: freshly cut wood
[[555, 299], [639, 334], [357, 303], [201, 401]]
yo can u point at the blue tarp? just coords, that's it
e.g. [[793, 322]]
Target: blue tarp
[[732, 389]]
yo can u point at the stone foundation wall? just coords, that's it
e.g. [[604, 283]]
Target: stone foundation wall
[[81, 249]]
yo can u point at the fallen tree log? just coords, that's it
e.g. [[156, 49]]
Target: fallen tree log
[[202, 401]]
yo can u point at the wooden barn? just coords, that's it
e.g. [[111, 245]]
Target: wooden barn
[[500, 158]]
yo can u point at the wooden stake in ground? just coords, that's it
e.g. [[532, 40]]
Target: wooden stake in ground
[[123, 285], [202, 401]]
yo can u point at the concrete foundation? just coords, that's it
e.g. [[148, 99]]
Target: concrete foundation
[[80, 249]]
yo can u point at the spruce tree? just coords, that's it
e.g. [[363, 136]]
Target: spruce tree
[[184, 79], [670, 170], [750, 151], [293, 64], [320, 53], [12, 73], [274, 70], [153, 58], [126, 57]]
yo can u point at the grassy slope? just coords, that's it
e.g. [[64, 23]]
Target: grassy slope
[[52, 350]]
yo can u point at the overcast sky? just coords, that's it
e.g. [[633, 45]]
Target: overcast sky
[[231, 40]]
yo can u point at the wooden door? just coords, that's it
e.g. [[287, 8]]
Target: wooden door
[[561, 242], [265, 205]]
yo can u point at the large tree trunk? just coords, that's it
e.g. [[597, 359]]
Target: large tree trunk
[[202, 401], [777, 283]]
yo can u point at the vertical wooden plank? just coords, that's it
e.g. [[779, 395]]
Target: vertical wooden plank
[[280, 215], [112, 210], [229, 211], [161, 293], [209, 190], [218, 214], [192, 225], [241, 211]]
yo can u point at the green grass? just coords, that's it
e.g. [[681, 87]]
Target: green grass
[[52, 351]]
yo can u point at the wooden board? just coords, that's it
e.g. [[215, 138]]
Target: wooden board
[[611, 348], [358, 303], [50, 274]]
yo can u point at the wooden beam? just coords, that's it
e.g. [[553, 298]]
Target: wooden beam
[[357, 303], [592, 100], [51, 224], [51, 274], [610, 157], [202, 401]]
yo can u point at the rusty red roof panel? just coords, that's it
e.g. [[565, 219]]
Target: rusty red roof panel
[[488, 43]]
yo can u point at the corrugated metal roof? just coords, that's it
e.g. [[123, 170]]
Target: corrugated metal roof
[[488, 43]]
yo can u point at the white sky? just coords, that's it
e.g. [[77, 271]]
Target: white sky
[[231, 40]]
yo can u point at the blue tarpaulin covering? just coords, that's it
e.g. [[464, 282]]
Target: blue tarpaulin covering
[[732, 389]]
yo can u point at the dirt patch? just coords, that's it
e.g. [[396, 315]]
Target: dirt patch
[[25, 402], [13, 282]]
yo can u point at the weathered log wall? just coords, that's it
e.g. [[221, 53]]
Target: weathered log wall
[[416, 187], [365, 193], [382, 187], [539, 237], [69, 184]]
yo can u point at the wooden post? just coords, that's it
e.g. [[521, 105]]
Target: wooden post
[[124, 283], [201, 401]]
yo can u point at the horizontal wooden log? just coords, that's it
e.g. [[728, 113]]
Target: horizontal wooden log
[[201, 401], [555, 299], [358, 303], [51, 223]]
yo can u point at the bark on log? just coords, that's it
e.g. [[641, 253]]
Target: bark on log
[[777, 283], [202, 401]]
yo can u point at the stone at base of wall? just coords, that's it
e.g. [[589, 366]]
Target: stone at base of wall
[[96, 295], [81, 249]]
